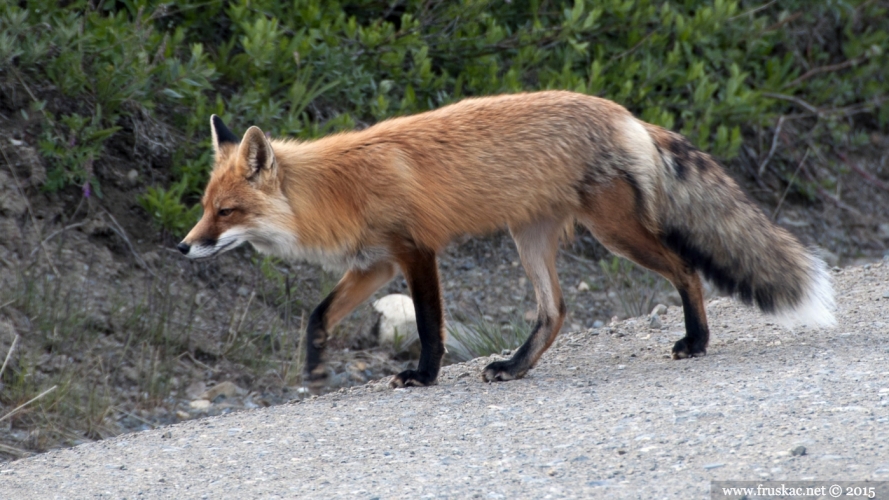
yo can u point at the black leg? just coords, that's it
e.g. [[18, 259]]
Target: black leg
[[421, 271], [353, 289], [315, 375], [696, 332]]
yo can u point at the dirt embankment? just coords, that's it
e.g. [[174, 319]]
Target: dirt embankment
[[605, 414]]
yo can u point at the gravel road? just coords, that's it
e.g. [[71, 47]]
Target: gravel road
[[605, 414]]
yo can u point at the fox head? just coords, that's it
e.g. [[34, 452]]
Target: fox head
[[243, 201]]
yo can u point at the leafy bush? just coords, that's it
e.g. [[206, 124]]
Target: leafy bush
[[717, 70]]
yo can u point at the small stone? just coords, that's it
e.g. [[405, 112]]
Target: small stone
[[713, 466], [829, 257], [583, 287], [506, 352], [507, 309], [598, 324], [199, 404], [886, 294], [654, 322], [167, 435], [226, 389], [131, 373], [659, 310], [243, 291], [183, 415], [798, 451], [201, 298], [530, 315], [132, 176]]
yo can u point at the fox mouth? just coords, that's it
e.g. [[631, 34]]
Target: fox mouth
[[207, 251]]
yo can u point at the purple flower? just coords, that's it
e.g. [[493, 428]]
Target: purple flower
[[86, 189]]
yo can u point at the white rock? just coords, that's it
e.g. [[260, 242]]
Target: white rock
[[398, 320], [200, 404]]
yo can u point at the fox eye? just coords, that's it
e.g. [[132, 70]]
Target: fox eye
[[225, 212]]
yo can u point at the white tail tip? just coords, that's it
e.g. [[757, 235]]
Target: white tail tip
[[817, 305]]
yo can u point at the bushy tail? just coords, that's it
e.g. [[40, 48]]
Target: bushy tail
[[708, 220]]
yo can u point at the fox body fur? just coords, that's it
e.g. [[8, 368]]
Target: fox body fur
[[389, 197]]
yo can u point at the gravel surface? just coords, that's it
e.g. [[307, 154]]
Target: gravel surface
[[605, 414]]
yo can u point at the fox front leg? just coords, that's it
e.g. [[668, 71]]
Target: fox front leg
[[355, 287], [420, 269]]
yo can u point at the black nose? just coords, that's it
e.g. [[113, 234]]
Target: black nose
[[184, 248]]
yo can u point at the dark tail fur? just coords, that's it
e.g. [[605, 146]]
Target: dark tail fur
[[707, 219]]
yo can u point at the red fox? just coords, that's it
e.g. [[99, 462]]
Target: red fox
[[389, 197]]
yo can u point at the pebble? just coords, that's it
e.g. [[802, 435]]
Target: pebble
[[226, 389], [200, 404], [654, 322], [798, 451]]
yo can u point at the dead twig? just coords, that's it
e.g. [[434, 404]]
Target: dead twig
[[118, 229], [796, 100], [55, 233], [789, 184], [764, 164], [864, 173], [9, 354], [199, 363], [19, 407], [753, 10], [826, 69], [788, 19], [12, 450], [833, 199]]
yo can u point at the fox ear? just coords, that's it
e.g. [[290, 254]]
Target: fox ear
[[221, 133], [256, 153]]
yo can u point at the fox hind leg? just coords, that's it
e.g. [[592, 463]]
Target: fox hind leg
[[612, 216], [537, 244]]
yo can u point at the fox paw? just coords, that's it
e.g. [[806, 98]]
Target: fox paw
[[501, 371], [412, 378], [317, 379], [683, 349]]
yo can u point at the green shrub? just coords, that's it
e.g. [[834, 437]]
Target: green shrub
[[716, 70]]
